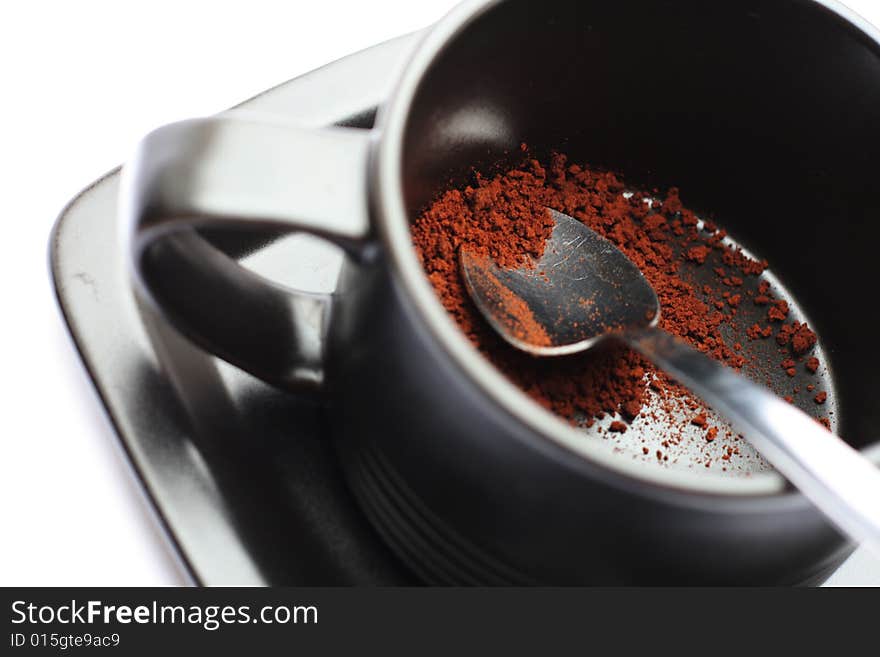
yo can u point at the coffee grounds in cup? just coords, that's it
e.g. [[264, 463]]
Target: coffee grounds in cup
[[504, 217]]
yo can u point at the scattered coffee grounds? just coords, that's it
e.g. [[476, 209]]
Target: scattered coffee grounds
[[504, 217]]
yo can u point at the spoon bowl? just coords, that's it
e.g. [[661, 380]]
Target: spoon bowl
[[582, 290]]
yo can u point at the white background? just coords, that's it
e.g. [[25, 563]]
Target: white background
[[81, 81]]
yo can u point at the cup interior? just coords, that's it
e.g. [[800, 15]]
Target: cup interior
[[762, 113]]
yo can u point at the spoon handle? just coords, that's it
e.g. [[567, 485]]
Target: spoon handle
[[835, 477]]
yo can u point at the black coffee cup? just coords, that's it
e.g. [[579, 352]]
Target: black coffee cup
[[763, 111]]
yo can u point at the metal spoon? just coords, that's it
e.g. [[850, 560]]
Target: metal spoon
[[585, 290]]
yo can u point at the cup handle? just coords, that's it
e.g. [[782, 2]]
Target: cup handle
[[235, 172]]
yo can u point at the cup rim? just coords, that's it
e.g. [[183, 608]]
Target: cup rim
[[393, 229]]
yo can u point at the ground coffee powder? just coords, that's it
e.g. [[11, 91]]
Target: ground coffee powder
[[504, 217]]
